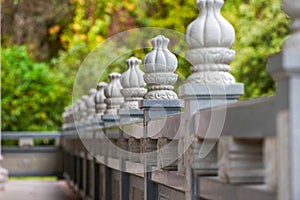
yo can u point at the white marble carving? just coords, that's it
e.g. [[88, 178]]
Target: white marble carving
[[90, 104], [160, 65], [68, 117], [76, 110], [133, 84], [100, 105], [83, 108], [113, 94], [210, 36]]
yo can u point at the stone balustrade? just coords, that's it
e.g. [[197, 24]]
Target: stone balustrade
[[138, 144]]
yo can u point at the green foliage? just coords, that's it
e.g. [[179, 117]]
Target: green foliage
[[32, 95], [261, 27]]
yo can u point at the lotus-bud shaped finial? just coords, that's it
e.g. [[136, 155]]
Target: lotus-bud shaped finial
[[100, 105], [90, 104], [160, 65], [82, 108], [133, 84], [210, 36], [113, 94]]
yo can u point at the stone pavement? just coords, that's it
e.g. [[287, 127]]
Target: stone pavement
[[37, 190]]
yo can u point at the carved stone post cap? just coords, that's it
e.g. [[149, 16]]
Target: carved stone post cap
[[113, 95], [101, 85], [133, 84], [210, 29], [84, 97], [133, 76], [160, 65], [114, 75], [133, 61], [160, 59], [92, 91], [99, 98], [113, 88]]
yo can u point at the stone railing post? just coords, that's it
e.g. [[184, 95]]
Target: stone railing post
[[133, 91], [160, 101], [83, 110], [90, 104], [114, 100], [285, 69], [100, 107], [209, 37]]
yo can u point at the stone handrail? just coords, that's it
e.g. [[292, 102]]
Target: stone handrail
[[143, 147]]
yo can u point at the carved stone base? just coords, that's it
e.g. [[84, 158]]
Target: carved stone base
[[241, 160]]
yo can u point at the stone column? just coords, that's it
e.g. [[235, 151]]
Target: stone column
[[100, 105], [133, 91], [114, 100], [83, 110], [100, 108], [160, 101], [209, 37], [285, 69], [90, 104]]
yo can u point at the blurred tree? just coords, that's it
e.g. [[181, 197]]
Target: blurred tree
[[36, 24], [32, 96], [261, 27]]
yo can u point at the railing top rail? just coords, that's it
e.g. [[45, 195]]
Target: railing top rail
[[30, 134]]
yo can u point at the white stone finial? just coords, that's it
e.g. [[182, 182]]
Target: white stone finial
[[76, 111], [133, 84], [100, 105], [160, 65], [83, 108], [68, 115], [210, 36], [90, 104], [113, 94], [292, 8]]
